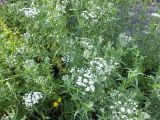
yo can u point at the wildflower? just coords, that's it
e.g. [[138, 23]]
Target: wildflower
[[87, 89], [30, 12], [62, 7], [41, 79], [59, 100], [5, 117], [111, 107], [119, 102], [124, 38], [22, 49], [93, 13], [86, 44], [86, 80], [88, 47], [65, 77], [55, 104], [99, 63], [155, 15], [122, 109], [29, 63], [87, 53], [11, 60], [128, 111], [101, 66], [26, 35], [92, 88], [88, 74], [32, 98], [145, 115], [66, 57]]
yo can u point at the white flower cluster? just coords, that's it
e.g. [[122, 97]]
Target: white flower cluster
[[95, 12], [157, 91], [32, 98], [30, 12], [22, 49], [41, 79], [62, 6], [66, 57], [86, 44], [155, 15], [124, 38], [92, 14], [145, 116], [85, 79], [29, 64], [102, 66], [125, 109], [11, 60], [88, 48], [5, 117], [26, 35]]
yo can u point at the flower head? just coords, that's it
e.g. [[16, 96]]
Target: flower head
[[30, 12], [32, 98]]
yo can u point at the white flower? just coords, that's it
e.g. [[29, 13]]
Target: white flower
[[66, 57], [11, 60], [124, 116], [32, 98], [65, 77], [30, 12], [155, 15], [79, 79], [86, 44], [122, 109], [29, 63], [5, 117], [78, 83], [91, 82], [41, 79], [87, 53], [88, 89], [92, 88], [88, 74], [84, 14], [85, 80], [26, 35], [124, 38], [145, 115], [22, 49], [61, 8], [99, 65], [129, 111], [119, 102], [112, 107]]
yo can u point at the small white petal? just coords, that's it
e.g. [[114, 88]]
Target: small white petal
[[88, 89]]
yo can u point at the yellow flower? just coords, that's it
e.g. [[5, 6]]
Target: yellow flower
[[59, 100], [55, 104]]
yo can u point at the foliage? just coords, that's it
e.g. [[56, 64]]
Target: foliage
[[79, 59]]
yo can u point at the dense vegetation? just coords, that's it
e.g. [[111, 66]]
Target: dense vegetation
[[79, 60]]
